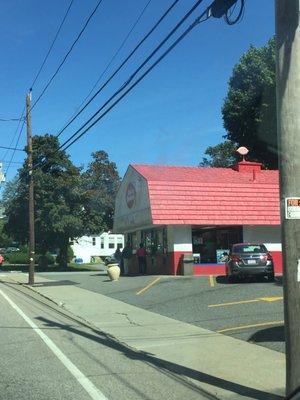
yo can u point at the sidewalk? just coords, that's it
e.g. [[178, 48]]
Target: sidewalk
[[225, 367]]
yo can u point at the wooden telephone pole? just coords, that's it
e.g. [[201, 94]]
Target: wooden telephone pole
[[288, 121], [31, 193]]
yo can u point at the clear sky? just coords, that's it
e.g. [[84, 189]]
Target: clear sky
[[170, 118]]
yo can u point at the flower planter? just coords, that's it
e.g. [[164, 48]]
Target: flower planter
[[113, 271]]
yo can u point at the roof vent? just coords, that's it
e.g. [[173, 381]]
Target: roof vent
[[247, 166]]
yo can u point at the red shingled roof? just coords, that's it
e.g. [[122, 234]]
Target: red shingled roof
[[212, 196]]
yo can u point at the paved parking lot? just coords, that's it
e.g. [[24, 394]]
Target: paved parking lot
[[251, 310]]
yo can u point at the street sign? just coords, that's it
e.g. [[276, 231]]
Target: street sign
[[292, 207]]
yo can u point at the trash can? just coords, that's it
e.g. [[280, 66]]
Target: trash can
[[187, 265]]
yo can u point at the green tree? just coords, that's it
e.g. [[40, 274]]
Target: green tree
[[101, 180], [61, 203], [221, 155], [249, 110], [5, 240]]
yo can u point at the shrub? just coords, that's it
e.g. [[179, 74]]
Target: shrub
[[45, 260], [70, 254], [17, 257]]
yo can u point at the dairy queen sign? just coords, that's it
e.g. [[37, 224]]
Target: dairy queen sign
[[130, 195]]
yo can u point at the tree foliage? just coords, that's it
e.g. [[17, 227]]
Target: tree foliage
[[101, 180], [249, 110], [221, 155], [62, 209]]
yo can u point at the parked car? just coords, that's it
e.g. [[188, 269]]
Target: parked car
[[248, 259], [12, 249]]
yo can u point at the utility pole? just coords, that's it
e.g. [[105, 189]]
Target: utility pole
[[31, 194], [288, 121]]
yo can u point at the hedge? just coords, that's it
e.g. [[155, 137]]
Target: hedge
[[19, 257]]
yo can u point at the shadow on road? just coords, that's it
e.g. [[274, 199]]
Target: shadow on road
[[255, 279], [178, 371], [56, 283], [274, 334]]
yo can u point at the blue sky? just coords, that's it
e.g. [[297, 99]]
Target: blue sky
[[170, 118]]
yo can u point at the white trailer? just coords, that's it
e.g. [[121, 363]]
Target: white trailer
[[88, 247]]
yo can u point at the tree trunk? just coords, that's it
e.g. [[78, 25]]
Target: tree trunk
[[63, 253]]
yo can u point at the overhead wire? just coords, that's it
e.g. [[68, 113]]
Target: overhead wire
[[10, 119], [11, 148], [12, 141], [196, 22], [32, 85], [145, 37], [67, 54], [14, 150], [13, 162], [127, 82], [115, 55], [239, 17], [52, 44]]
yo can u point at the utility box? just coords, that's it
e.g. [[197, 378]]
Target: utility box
[[187, 265]]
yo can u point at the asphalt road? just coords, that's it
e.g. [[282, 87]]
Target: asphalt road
[[251, 310], [47, 354]]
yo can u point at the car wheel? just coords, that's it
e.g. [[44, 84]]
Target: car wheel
[[231, 278]]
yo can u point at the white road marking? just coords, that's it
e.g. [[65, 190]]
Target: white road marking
[[90, 388]]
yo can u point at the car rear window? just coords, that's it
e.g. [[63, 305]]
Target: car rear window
[[249, 248]]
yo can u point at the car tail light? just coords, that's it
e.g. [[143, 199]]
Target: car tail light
[[267, 257], [236, 259]]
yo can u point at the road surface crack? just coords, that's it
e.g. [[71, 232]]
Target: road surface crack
[[129, 320]]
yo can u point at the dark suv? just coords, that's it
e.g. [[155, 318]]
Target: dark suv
[[248, 259]]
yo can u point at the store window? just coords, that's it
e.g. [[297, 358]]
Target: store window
[[132, 240], [155, 240], [209, 245]]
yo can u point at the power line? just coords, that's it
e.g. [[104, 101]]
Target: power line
[[52, 44], [197, 21], [10, 119], [32, 85], [67, 54], [120, 66], [13, 162], [115, 55], [14, 151], [11, 148], [171, 33]]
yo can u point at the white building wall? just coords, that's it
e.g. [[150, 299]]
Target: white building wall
[[270, 236], [179, 238], [132, 205]]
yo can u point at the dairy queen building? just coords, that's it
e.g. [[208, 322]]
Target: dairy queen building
[[176, 210]]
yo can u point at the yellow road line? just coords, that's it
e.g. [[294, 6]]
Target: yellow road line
[[236, 328], [148, 286], [233, 303], [273, 298], [211, 281]]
